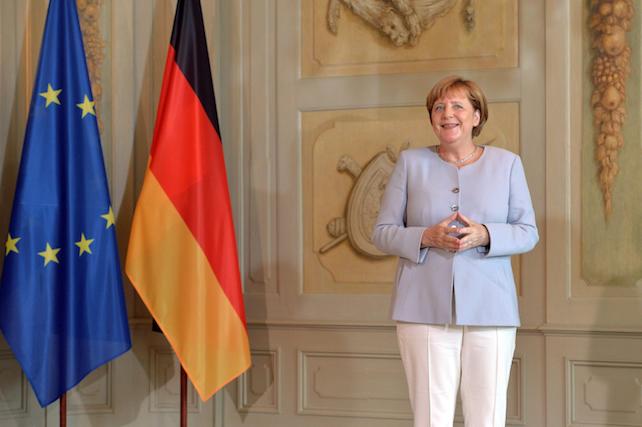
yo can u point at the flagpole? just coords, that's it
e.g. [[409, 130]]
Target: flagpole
[[63, 410], [183, 397]]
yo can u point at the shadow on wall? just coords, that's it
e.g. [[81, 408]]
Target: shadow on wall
[[256, 390]]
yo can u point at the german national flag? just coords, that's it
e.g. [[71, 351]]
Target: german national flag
[[182, 256]]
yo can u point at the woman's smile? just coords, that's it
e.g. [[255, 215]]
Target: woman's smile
[[453, 118]]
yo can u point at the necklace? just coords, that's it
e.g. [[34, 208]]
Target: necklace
[[458, 161]]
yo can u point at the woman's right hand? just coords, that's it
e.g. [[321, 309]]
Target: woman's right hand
[[437, 236]]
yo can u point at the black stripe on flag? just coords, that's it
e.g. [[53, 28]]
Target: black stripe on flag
[[190, 45]]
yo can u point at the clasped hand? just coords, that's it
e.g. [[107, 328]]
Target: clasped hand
[[453, 238]]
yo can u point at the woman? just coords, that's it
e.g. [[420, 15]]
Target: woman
[[454, 214]]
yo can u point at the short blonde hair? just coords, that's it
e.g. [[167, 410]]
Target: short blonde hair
[[472, 91]]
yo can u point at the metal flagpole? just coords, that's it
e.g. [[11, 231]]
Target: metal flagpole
[[63, 410], [183, 397]]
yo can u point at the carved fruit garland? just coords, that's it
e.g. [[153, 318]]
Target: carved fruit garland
[[89, 16], [610, 21]]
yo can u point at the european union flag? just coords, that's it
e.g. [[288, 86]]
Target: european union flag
[[62, 309]]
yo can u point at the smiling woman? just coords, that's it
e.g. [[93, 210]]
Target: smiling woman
[[454, 213], [453, 119]]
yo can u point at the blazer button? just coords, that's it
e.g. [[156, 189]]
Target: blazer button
[[454, 208], [455, 190]]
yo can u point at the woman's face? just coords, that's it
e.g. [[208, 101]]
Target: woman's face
[[453, 118]]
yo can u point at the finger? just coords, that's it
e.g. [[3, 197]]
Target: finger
[[462, 246], [452, 240], [453, 231], [450, 243], [443, 230], [465, 245], [448, 220], [465, 219], [465, 231]]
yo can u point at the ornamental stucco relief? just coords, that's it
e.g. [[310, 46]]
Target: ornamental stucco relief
[[358, 37], [401, 21], [362, 207], [609, 23], [89, 16]]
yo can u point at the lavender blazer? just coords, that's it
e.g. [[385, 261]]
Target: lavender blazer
[[422, 191]]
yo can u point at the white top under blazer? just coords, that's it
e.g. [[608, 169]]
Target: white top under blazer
[[422, 191]]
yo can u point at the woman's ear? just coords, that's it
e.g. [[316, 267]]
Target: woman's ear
[[476, 117]]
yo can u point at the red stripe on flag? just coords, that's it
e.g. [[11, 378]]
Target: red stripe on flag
[[187, 160], [173, 277]]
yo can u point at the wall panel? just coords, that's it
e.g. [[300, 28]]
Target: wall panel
[[592, 330], [259, 390], [571, 299], [594, 379], [326, 312]]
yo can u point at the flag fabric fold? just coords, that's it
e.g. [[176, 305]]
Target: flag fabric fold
[[182, 256], [62, 308]]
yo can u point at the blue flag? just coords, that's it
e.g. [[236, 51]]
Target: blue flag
[[62, 309]]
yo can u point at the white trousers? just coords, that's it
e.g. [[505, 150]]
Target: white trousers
[[439, 359]]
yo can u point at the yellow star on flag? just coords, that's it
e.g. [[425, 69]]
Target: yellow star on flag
[[83, 244], [50, 254], [87, 107], [51, 95], [11, 244], [109, 217]]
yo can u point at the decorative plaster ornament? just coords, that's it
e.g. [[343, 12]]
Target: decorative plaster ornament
[[609, 22], [468, 14], [89, 16], [402, 21], [363, 203]]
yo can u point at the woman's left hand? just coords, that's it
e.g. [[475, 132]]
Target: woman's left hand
[[472, 234]]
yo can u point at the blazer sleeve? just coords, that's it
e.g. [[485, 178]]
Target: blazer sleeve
[[519, 234], [390, 234]]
